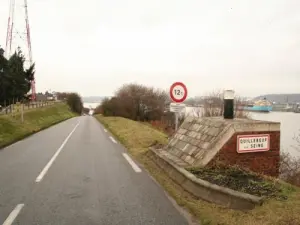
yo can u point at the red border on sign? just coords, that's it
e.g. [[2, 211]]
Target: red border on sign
[[185, 92], [256, 150]]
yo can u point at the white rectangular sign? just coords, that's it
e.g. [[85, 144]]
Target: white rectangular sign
[[176, 107], [253, 143]]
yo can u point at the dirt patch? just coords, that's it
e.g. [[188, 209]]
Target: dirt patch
[[241, 180]]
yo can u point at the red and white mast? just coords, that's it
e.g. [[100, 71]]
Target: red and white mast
[[12, 35]]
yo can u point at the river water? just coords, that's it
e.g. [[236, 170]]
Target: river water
[[290, 127]]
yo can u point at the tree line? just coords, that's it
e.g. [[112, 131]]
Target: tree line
[[139, 102], [15, 79], [136, 102], [73, 100]]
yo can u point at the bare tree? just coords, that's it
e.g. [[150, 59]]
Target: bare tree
[[137, 102], [213, 105]]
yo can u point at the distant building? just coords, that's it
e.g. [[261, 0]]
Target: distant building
[[46, 97]]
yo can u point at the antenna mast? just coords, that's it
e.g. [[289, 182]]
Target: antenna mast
[[13, 35]]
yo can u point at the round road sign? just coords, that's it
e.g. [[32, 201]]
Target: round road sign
[[178, 92]]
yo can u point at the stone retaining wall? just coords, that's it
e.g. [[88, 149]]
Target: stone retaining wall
[[203, 189]]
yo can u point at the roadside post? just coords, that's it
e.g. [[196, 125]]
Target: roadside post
[[178, 93], [22, 112]]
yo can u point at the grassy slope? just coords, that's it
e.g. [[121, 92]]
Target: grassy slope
[[11, 128], [137, 137]]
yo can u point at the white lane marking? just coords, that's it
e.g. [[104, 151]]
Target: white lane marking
[[13, 215], [132, 163], [105, 130], [44, 171], [112, 139]]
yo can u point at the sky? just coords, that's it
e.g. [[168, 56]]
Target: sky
[[95, 46]]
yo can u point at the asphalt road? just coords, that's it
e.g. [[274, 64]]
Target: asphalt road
[[76, 173]]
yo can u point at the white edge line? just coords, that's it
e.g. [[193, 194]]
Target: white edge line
[[132, 163], [46, 168], [13, 215], [112, 139], [105, 130]]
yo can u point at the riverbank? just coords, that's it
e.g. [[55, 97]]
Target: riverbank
[[137, 137], [12, 129]]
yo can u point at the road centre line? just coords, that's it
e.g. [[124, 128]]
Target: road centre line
[[13, 215], [135, 167], [47, 167]]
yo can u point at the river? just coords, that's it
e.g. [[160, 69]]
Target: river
[[290, 127]]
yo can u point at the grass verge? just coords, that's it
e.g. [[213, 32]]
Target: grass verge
[[137, 137], [12, 129]]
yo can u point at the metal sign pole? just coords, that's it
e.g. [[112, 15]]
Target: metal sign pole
[[176, 121], [22, 112], [178, 93]]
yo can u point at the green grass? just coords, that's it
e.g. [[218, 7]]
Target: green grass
[[12, 129], [137, 137]]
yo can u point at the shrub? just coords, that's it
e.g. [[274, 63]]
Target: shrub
[[290, 166], [136, 102], [74, 102]]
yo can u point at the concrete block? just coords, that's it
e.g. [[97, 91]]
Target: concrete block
[[209, 138], [191, 149], [194, 127], [199, 135], [200, 129], [180, 145], [186, 139], [181, 131], [204, 136], [200, 154], [213, 131], [186, 148], [205, 145], [189, 160], [199, 120]]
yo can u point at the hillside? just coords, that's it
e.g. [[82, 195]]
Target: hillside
[[12, 129], [281, 98]]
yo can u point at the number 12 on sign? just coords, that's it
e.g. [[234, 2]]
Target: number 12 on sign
[[178, 92]]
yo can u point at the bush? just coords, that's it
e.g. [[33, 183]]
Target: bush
[[290, 166], [290, 169], [74, 102], [136, 102]]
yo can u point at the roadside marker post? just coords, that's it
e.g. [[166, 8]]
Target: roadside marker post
[[178, 93]]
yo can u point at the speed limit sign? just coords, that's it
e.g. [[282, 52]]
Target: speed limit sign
[[178, 92]]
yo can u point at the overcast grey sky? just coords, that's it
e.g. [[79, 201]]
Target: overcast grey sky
[[94, 46]]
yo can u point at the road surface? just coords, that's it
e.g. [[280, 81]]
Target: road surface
[[76, 173]]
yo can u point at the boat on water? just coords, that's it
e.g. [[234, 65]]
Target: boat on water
[[297, 108], [262, 105]]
